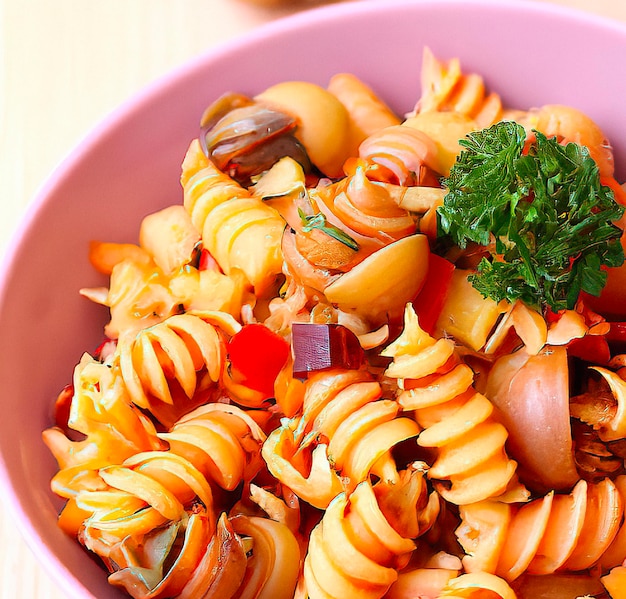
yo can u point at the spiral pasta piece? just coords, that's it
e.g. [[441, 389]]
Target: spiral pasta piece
[[135, 558], [274, 563], [405, 152], [246, 556], [557, 532], [359, 545], [139, 295], [239, 230], [222, 441], [155, 491], [369, 208], [472, 463], [346, 433], [183, 355], [205, 186], [446, 88], [338, 226], [113, 428], [145, 492]]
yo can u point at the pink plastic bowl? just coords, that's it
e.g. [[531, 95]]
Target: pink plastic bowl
[[531, 53]]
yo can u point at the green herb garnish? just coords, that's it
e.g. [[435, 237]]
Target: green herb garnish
[[540, 211], [318, 221]]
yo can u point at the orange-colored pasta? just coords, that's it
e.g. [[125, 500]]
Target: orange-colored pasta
[[139, 296], [205, 186], [571, 125], [359, 545], [239, 230], [405, 152], [615, 428], [113, 429], [370, 208], [346, 433], [272, 571], [132, 557], [474, 586], [222, 441], [472, 463], [557, 532], [170, 363], [446, 88]]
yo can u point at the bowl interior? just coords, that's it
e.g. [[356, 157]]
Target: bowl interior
[[130, 165]]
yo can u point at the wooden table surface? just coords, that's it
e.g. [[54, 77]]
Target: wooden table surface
[[64, 64]]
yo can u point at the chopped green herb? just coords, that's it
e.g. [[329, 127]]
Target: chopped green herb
[[318, 221], [541, 213]]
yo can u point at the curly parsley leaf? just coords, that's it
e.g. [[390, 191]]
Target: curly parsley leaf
[[541, 212]]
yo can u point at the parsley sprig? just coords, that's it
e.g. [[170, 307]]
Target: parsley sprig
[[541, 213]]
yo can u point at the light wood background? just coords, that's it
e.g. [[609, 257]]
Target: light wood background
[[64, 64]]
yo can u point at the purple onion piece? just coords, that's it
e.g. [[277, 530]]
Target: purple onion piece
[[318, 347]]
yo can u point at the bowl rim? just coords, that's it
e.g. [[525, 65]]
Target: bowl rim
[[51, 562]]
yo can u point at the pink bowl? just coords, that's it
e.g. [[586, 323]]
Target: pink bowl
[[531, 53]]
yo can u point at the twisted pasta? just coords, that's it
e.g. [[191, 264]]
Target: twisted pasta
[[274, 563], [165, 495], [369, 208], [239, 230], [141, 568], [257, 557], [405, 152], [113, 429], [171, 367], [615, 428], [554, 533], [139, 295], [446, 88], [471, 463], [221, 441], [452, 105], [205, 186], [142, 494], [345, 433], [363, 537]]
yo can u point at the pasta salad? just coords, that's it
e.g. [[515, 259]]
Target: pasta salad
[[367, 355]]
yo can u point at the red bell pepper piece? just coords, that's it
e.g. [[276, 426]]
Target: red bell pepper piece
[[207, 262], [617, 332], [430, 300], [592, 348], [256, 356]]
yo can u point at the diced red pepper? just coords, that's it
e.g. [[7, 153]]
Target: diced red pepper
[[256, 356], [592, 348], [319, 347], [207, 262], [617, 332], [430, 300]]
